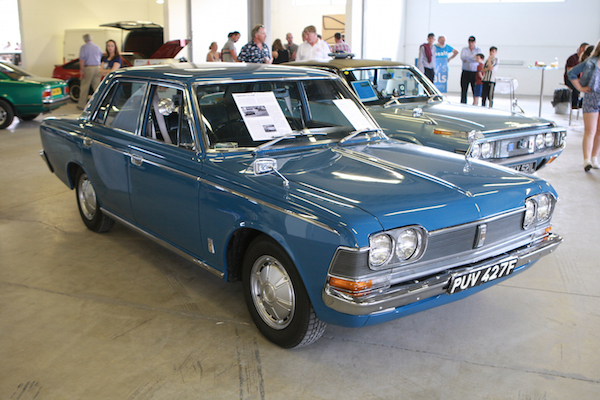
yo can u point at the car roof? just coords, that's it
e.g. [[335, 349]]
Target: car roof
[[349, 63], [197, 72]]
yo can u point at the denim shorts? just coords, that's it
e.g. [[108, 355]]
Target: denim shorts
[[477, 89]]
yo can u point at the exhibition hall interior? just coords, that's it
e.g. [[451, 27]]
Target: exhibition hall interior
[[299, 199]]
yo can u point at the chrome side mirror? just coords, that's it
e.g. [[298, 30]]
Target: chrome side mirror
[[417, 112], [263, 166]]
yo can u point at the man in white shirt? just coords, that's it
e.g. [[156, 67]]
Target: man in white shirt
[[314, 48]]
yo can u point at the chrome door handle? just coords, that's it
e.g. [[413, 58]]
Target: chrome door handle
[[87, 142], [136, 160]]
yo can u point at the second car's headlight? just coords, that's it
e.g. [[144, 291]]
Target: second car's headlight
[[549, 139], [539, 141], [407, 243], [487, 149]]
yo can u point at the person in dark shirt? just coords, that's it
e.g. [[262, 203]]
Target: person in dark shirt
[[572, 61]]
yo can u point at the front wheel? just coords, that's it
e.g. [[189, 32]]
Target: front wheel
[[276, 298], [89, 209]]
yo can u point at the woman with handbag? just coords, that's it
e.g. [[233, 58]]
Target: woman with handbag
[[589, 84]]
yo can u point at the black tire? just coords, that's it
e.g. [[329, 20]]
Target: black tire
[[28, 117], [74, 89], [88, 205], [6, 114], [283, 314]]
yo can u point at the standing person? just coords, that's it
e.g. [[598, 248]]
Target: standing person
[[469, 68], [426, 60], [256, 50], [589, 84], [314, 48], [112, 61], [340, 46], [489, 77], [572, 61], [90, 57], [280, 54], [229, 52], [477, 89], [213, 55], [291, 46], [443, 54]]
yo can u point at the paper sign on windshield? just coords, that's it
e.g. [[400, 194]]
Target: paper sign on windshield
[[353, 114], [262, 115]]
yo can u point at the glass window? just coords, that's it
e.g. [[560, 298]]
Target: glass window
[[121, 108], [167, 118], [249, 114], [388, 82]]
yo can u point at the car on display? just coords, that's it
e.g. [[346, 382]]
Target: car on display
[[25, 95], [70, 72], [409, 107], [280, 178]]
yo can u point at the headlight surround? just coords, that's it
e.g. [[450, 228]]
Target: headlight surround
[[540, 140], [397, 246], [380, 251], [549, 140], [538, 209]]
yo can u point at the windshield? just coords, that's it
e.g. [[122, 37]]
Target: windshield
[[12, 71], [378, 85], [251, 114]]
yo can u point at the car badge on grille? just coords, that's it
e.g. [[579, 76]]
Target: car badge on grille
[[524, 144], [480, 236]]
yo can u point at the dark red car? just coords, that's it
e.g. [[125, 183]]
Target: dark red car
[[70, 71]]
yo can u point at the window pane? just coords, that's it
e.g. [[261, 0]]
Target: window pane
[[126, 106]]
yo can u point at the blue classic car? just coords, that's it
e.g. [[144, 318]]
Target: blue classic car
[[409, 107], [278, 177]]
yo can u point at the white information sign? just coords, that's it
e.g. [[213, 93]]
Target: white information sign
[[353, 114], [262, 115]]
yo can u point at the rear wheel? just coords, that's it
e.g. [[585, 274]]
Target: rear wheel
[[74, 89], [6, 114], [276, 298], [89, 209]]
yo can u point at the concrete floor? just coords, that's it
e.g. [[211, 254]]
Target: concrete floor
[[114, 316]]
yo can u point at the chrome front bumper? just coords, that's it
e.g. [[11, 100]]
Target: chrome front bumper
[[410, 292]]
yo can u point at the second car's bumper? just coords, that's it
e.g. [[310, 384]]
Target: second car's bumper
[[403, 294]]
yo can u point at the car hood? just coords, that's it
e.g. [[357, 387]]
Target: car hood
[[462, 117], [41, 80], [401, 184]]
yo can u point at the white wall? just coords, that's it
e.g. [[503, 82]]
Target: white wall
[[43, 24], [523, 32]]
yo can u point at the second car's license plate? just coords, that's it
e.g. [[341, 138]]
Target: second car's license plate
[[527, 167], [56, 92], [481, 275]]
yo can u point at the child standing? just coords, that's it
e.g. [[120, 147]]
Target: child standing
[[477, 90], [489, 77]]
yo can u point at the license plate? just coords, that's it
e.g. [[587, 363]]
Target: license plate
[[528, 167], [481, 275], [56, 92]]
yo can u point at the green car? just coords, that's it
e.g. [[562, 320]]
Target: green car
[[26, 96]]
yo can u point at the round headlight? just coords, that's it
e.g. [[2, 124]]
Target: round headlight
[[549, 139], [407, 244], [380, 249], [539, 141], [544, 208], [529, 213], [487, 149], [475, 151]]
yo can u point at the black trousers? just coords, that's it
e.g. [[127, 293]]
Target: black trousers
[[488, 93], [467, 78], [574, 95], [429, 73]]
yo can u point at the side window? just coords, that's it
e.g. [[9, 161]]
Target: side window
[[121, 107], [167, 119]]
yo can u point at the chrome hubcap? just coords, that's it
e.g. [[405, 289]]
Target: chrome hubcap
[[3, 115], [87, 197], [272, 292]]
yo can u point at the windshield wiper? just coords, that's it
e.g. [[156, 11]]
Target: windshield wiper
[[393, 100], [278, 139], [434, 96], [353, 134]]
